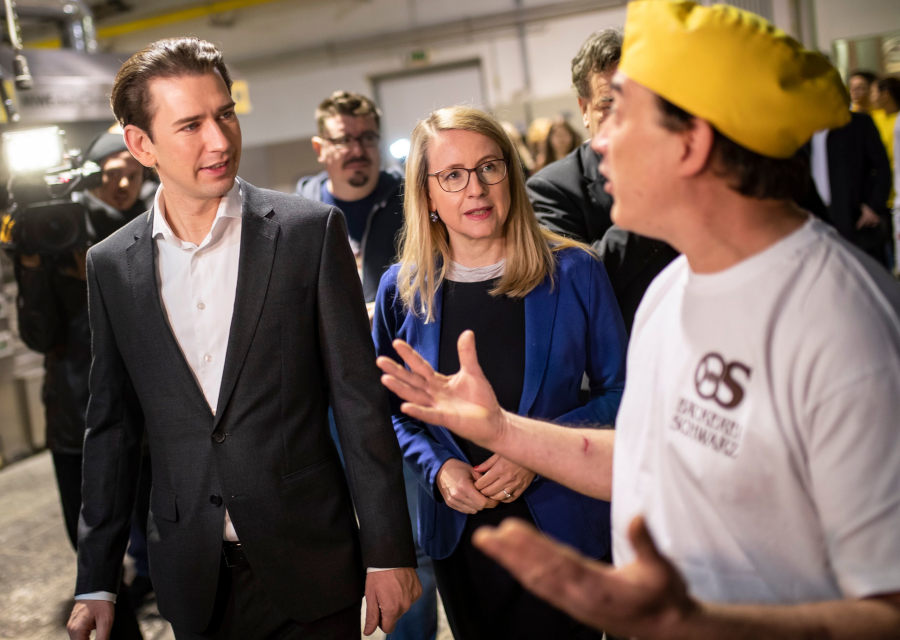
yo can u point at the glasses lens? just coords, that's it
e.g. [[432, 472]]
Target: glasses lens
[[453, 179], [491, 172], [369, 139]]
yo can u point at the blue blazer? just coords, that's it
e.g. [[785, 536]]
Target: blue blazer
[[572, 327]]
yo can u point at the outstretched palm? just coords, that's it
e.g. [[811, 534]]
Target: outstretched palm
[[464, 402]]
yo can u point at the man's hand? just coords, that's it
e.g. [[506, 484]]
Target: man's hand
[[90, 614], [464, 402], [388, 595], [456, 481], [503, 480], [642, 599], [867, 217]]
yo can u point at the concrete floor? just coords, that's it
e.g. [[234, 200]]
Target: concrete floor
[[37, 564]]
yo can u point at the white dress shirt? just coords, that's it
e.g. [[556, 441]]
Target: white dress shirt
[[197, 285]]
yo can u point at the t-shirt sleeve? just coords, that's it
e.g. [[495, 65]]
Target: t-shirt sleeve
[[854, 471]]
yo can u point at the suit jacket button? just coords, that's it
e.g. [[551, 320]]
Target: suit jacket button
[[219, 436], [215, 500]]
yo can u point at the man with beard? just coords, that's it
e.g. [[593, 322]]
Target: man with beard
[[372, 201], [371, 198]]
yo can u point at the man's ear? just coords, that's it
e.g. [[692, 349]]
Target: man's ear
[[317, 148], [583, 105], [697, 147], [140, 145]]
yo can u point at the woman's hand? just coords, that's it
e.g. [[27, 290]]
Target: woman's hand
[[456, 482], [503, 481]]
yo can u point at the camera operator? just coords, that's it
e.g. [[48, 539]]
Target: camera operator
[[53, 319]]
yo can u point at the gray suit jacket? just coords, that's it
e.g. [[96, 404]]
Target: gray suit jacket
[[299, 341]]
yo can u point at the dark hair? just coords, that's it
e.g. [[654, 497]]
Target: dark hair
[[346, 103], [868, 76], [599, 53], [169, 58], [749, 173], [891, 86]]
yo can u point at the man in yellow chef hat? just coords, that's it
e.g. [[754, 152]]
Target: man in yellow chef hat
[[758, 439]]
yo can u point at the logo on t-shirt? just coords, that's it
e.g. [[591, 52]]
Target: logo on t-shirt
[[724, 383], [715, 379]]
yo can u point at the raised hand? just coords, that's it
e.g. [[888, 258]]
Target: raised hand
[[644, 598], [464, 402]]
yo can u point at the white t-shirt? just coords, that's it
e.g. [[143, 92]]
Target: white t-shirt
[[759, 432]]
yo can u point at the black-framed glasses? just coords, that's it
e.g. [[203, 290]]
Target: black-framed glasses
[[368, 139], [457, 178]]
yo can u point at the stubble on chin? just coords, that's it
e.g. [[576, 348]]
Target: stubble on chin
[[359, 179]]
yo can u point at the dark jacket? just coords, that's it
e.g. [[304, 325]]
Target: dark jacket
[[53, 320], [299, 343], [859, 173], [379, 243], [568, 198]]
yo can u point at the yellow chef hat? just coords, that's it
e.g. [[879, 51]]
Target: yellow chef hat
[[754, 83]]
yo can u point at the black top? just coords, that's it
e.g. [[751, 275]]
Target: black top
[[499, 326]]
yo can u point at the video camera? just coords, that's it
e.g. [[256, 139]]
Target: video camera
[[41, 217]]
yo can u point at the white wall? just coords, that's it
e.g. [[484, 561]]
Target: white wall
[[837, 19], [295, 52]]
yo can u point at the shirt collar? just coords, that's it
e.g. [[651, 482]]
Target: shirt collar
[[230, 206]]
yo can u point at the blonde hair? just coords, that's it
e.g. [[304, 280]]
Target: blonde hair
[[425, 248]]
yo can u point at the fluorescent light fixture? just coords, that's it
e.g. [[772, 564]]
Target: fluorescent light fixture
[[400, 148], [33, 150]]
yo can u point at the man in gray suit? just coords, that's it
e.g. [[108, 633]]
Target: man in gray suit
[[225, 322]]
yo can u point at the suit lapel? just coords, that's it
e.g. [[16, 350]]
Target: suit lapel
[[147, 305], [540, 314], [258, 240]]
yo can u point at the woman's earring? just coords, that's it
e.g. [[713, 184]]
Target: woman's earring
[[434, 216]]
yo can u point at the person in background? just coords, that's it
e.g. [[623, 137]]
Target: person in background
[[852, 177], [535, 135], [561, 139], [474, 257], [569, 196], [371, 199], [885, 107], [859, 84], [52, 305], [755, 466]]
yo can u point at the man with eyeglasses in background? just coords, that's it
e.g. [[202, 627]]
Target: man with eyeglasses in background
[[372, 201], [353, 180]]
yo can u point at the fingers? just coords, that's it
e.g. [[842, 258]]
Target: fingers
[[388, 595], [468, 357], [87, 615], [487, 464], [425, 414], [406, 391], [551, 570], [413, 360], [372, 612], [640, 538]]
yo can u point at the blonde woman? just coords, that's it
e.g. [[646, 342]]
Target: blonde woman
[[543, 312]]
